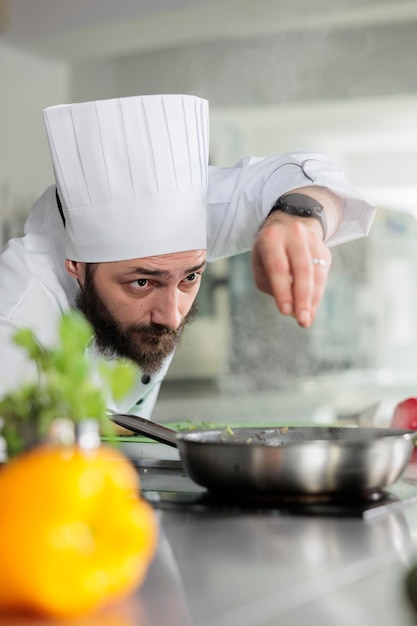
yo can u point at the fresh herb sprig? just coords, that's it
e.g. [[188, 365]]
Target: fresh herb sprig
[[67, 385]]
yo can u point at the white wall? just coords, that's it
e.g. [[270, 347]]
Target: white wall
[[373, 139], [28, 85]]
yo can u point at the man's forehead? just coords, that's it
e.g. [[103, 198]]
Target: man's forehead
[[190, 260]]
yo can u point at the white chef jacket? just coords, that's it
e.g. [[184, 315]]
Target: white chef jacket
[[35, 288]]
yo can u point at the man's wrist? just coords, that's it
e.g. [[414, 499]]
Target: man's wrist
[[301, 205]]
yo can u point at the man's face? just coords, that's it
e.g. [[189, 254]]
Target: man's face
[[139, 308]]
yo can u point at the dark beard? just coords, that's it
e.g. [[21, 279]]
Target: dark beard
[[146, 345]]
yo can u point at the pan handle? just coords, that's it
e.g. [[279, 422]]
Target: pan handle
[[145, 427]]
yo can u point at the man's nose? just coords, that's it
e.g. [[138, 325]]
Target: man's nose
[[166, 310]]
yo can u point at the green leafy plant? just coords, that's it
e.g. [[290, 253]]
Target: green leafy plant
[[67, 385]]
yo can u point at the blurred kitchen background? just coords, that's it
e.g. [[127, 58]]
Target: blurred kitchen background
[[280, 75]]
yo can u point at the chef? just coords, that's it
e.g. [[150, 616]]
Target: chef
[[135, 215]]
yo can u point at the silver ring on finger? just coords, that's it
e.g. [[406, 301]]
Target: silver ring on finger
[[318, 261]]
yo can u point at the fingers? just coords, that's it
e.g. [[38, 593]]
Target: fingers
[[310, 271], [291, 263]]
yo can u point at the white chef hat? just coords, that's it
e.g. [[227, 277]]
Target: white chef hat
[[131, 175]]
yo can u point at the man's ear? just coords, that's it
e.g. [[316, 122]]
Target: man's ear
[[75, 269]]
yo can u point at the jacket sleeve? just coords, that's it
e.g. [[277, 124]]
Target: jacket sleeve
[[240, 198]]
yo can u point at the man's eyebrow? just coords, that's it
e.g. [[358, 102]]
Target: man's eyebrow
[[143, 271]]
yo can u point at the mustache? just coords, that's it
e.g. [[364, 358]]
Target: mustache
[[153, 330]]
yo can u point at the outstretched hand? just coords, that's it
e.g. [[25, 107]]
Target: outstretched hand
[[291, 262]]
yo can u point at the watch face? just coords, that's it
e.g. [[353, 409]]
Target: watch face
[[302, 212], [300, 205]]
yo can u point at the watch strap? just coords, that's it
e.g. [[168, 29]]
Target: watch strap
[[301, 205]]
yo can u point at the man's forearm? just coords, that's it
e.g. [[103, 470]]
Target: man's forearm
[[240, 199]]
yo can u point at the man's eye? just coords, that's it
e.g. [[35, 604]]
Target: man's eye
[[191, 277], [140, 282]]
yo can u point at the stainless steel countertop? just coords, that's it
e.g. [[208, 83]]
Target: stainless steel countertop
[[247, 569], [215, 568]]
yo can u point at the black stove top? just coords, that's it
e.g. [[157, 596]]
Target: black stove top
[[346, 505]]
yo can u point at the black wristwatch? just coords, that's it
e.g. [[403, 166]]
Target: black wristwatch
[[302, 206]]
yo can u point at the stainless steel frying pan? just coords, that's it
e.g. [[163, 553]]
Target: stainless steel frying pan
[[294, 460]]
